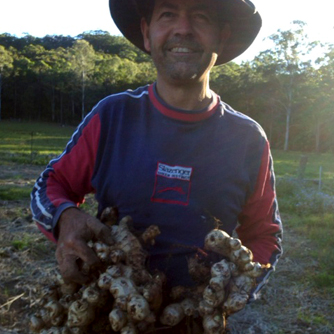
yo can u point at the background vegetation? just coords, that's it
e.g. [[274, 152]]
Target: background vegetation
[[288, 89]]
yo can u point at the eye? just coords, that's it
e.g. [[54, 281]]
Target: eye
[[201, 17], [204, 16], [167, 14]]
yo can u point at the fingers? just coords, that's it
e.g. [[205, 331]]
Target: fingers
[[72, 257], [75, 230], [85, 253], [76, 224], [100, 231], [69, 270]]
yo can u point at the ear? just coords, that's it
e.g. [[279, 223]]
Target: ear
[[145, 32], [224, 36]]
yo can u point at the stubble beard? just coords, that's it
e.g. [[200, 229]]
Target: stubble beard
[[182, 71], [179, 69]]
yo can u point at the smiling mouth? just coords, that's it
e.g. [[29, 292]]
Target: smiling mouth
[[184, 51], [181, 50]]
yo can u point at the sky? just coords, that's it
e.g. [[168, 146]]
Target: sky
[[72, 17]]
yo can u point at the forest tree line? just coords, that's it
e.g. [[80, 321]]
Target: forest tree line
[[60, 78]]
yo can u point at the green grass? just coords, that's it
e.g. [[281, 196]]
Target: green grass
[[21, 244], [286, 164], [312, 318], [32, 143], [319, 229], [310, 213], [14, 193], [36, 246]]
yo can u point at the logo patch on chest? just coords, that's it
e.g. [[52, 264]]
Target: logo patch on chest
[[172, 184]]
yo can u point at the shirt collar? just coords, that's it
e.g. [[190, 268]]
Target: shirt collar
[[180, 114]]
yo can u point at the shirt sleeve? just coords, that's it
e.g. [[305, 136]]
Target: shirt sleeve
[[260, 226], [67, 179]]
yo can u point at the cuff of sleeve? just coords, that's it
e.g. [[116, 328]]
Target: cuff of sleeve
[[260, 283], [56, 217]]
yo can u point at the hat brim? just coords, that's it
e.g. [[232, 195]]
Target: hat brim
[[245, 24]]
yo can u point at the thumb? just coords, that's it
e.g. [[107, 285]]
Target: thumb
[[100, 231]]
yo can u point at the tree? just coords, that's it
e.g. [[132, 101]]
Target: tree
[[103, 42], [37, 71], [58, 78], [52, 42], [223, 80], [83, 61], [19, 81], [324, 94], [288, 59], [6, 62]]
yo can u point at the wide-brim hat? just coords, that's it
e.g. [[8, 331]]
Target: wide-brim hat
[[245, 23]]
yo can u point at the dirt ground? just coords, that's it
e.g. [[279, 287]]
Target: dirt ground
[[27, 264]]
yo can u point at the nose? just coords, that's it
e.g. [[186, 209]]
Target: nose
[[183, 25]]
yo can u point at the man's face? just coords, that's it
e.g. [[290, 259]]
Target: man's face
[[185, 38]]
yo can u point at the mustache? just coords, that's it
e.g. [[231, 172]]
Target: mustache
[[184, 42]]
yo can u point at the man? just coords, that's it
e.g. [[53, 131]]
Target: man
[[171, 153]]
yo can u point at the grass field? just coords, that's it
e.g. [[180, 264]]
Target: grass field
[[34, 143], [308, 204]]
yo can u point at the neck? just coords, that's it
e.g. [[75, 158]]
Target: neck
[[190, 96]]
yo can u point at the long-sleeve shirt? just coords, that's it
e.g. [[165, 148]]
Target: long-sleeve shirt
[[183, 171]]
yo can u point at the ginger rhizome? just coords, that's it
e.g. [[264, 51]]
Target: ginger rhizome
[[124, 296]]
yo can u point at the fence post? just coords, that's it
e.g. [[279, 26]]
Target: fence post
[[302, 166], [31, 146]]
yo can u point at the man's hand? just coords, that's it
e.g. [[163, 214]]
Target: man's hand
[[75, 229]]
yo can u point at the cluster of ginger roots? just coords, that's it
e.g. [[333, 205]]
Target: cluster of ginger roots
[[125, 297]]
